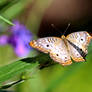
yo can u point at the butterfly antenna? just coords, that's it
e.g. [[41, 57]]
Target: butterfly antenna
[[66, 28], [60, 30], [56, 28]]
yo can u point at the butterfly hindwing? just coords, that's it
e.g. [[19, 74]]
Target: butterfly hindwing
[[77, 44], [55, 47], [75, 52]]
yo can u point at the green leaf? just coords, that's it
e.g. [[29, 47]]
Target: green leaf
[[11, 84], [18, 67], [5, 20], [61, 78], [14, 69]]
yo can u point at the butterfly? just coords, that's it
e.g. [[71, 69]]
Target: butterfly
[[74, 46]]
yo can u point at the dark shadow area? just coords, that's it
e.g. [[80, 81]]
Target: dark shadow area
[[6, 91], [43, 59]]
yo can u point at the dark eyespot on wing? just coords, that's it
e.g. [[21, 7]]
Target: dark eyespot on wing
[[81, 39], [47, 45], [65, 57], [57, 54]]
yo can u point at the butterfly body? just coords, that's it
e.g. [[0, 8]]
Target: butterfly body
[[63, 49]]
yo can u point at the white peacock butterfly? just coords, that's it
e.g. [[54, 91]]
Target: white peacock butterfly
[[62, 49]]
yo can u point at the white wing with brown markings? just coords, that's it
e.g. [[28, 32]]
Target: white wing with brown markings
[[55, 47], [81, 40]]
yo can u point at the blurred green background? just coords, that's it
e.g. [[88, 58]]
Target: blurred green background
[[37, 16]]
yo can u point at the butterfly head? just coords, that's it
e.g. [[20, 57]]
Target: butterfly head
[[63, 37]]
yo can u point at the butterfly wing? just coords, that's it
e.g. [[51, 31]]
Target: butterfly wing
[[55, 47], [78, 44]]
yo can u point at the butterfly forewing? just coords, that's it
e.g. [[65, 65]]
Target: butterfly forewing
[[42, 44], [77, 44], [55, 47]]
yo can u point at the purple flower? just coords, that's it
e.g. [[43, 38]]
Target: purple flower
[[3, 40], [19, 39]]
